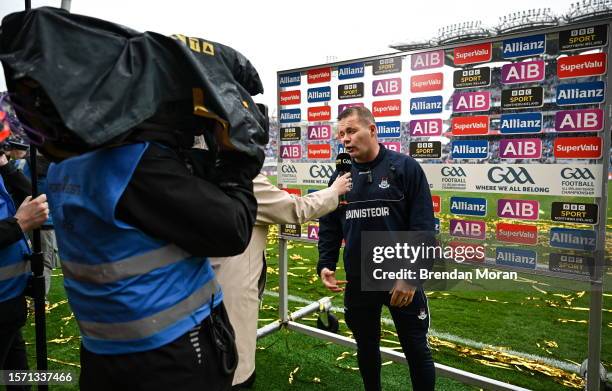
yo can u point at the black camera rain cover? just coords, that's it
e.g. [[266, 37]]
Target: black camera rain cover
[[104, 78]]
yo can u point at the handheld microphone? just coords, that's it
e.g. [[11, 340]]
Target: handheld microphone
[[343, 165]]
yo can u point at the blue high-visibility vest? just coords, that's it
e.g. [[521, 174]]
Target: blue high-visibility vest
[[14, 263], [129, 292]]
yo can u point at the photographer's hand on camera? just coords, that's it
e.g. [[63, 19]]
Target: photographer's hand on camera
[[236, 169]]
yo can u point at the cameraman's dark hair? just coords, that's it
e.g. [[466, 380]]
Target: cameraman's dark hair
[[363, 114]]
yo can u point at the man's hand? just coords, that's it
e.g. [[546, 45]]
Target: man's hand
[[3, 160], [32, 213], [343, 184], [402, 294], [329, 280]]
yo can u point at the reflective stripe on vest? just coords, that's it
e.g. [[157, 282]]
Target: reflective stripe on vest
[[14, 270], [150, 325], [133, 266]]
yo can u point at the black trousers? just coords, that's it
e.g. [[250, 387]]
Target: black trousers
[[362, 315], [191, 362], [12, 346]]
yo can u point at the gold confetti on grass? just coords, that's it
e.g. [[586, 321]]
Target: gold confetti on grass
[[584, 309], [496, 358], [539, 290], [62, 341], [495, 301], [68, 319], [389, 341], [292, 374], [387, 363], [551, 344], [51, 307], [343, 355], [562, 295], [347, 367], [493, 364], [572, 321], [272, 270], [64, 362]]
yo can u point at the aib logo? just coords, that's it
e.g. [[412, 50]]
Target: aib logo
[[318, 171], [452, 171], [577, 173], [509, 175], [288, 169]]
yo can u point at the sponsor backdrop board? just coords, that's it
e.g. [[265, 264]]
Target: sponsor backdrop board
[[517, 120]]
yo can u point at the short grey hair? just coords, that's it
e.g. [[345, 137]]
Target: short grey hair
[[363, 114]]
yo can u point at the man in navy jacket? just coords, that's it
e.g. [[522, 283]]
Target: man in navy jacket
[[390, 193]]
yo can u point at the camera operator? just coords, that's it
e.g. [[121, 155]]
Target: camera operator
[[134, 227], [14, 265]]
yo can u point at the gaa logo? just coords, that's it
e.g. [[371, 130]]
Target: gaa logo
[[287, 169], [343, 161], [509, 175], [452, 171], [317, 171], [577, 173]]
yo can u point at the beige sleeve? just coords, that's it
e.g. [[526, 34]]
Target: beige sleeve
[[276, 206]]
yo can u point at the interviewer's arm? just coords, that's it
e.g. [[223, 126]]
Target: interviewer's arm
[[275, 206]]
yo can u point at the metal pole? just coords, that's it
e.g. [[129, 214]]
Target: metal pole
[[305, 311], [283, 292], [38, 279], [38, 282], [596, 296]]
